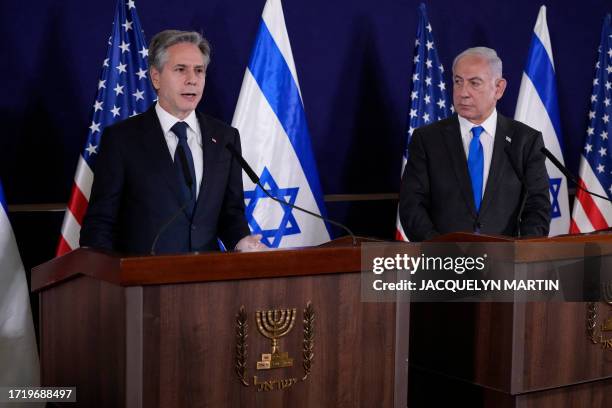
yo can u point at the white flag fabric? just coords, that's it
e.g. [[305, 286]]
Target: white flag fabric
[[19, 364], [276, 141], [537, 106]]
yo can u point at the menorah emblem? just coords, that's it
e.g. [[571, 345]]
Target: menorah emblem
[[274, 324]]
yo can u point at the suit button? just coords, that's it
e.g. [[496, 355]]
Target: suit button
[[193, 227]]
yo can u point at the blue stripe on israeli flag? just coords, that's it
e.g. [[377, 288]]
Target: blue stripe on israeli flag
[[276, 142], [537, 107], [3, 199], [542, 74], [274, 78]]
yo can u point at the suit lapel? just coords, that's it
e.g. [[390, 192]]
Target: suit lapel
[[156, 147], [210, 149], [496, 170], [454, 145]]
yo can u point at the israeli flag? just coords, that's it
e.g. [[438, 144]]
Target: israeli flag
[[537, 107], [276, 142], [18, 352]]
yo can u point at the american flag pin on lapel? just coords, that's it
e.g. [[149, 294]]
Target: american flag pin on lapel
[[213, 140], [508, 139]]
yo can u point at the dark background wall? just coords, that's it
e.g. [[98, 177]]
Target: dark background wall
[[354, 62]]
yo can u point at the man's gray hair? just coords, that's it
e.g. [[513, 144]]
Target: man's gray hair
[[489, 54], [158, 49]]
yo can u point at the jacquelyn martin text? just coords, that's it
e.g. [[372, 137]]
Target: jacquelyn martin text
[[468, 285]]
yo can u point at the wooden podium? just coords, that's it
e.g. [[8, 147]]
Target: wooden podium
[[168, 331], [529, 354]]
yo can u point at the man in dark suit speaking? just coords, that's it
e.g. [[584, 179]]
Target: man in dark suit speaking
[[476, 171], [170, 160]]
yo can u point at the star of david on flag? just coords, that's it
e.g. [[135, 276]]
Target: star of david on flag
[[429, 101], [555, 188], [287, 225], [276, 141], [537, 107], [124, 90]]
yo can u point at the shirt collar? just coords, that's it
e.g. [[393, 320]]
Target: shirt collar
[[168, 120], [489, 125]]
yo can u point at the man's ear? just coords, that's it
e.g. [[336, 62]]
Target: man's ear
[[154, 77], [500, 87]]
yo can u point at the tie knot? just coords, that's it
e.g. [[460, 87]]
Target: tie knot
[[477, 131], [180, 130]]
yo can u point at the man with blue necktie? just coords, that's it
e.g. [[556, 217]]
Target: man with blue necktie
[[164, 181], [477, 171]]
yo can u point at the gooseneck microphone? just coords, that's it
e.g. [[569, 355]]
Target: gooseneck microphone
[[189, 182], [255, 179], [525, 190], [558, 165], [567, 173]]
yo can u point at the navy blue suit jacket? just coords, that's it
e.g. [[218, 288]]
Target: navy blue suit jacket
[[436, 191], [136, 190]]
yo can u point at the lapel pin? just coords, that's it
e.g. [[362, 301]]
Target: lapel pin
[[213, 139], [508, 139]]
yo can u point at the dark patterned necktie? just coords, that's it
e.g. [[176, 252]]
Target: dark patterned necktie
[[180, 130]]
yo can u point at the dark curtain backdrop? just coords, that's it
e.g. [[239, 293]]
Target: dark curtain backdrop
[[354, 62]]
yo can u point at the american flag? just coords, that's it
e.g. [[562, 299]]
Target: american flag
[[429, 101], [124, 90], [592, 213]]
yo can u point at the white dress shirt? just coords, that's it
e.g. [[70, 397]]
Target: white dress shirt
[[486, 139], [194, 139]]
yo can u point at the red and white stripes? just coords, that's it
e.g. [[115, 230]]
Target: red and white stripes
[[77, 206]]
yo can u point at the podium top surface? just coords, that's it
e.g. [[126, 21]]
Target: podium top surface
[[338, 256]]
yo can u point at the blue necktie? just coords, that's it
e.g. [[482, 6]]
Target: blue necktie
[[476, 165], [180, 130]]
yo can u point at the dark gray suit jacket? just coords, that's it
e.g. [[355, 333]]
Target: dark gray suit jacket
[[436, 191], [136, 190]]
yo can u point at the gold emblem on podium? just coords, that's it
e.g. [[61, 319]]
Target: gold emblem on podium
[[592, 321], [607, 325], [274, 324]]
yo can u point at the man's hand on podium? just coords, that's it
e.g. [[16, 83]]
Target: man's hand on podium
[[250, 243]]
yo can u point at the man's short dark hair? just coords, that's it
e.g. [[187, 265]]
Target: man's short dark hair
[[158, 49]]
